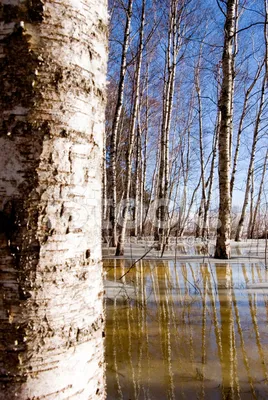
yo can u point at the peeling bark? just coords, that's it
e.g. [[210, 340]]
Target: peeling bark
[[52, 100]]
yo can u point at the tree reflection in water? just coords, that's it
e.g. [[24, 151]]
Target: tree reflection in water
[[186, 331]]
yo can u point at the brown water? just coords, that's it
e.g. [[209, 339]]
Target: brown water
[[186, 331]]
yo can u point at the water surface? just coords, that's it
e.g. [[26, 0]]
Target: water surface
[[186, 330]]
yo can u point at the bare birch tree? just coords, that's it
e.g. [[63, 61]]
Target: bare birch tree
[[225, 107], [201, 145], [131, 137], [257, 126], [241, 126], [116, 122], [176, 12], [210, 181], [239, 230]]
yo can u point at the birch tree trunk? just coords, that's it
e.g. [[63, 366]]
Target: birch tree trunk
[[251, 208], [225, 106], [52, 100], [138, 182], [199, 227], [258, 202], [116, 122], [205, 231], [123, 225], [172, 50], [144, 212], [241, 126], [185, 164], [240, 226]]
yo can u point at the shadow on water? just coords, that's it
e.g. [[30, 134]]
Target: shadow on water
[[186, 330]]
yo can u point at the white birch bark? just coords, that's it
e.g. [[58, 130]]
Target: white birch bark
[[144, 212], [52, 100], [225, 106], [138, 182]]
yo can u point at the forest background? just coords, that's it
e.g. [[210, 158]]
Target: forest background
[[163, 119]]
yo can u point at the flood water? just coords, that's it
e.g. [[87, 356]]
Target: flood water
[[186, 330]]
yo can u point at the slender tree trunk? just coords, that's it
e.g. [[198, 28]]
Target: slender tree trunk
[[123, 225], [251, 163], [185, 172], [51, 147], [258, 202], [240, 128], [225, 107], [161, 211], [168, 94], [116, 122], [205, 231], [186, 149], [181, 232], [240, 226], [235, 51], [173, 210], [138, 181], [145, 143], [251, 209], [141, 186], [201, 147]]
